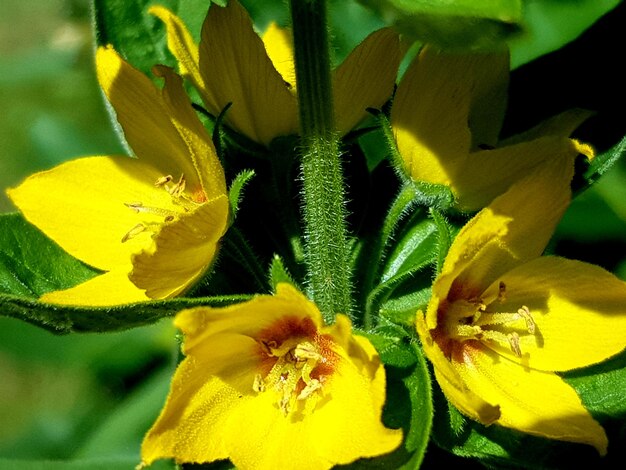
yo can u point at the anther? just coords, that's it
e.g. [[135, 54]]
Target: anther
[[163, 180], [514, 342], [501, 292], [139, 207], [136, 206], [311, 387], [524, 312], [136, 230], [178, 189], [258, 385], [306, 351]]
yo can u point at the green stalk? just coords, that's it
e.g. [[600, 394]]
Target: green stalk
[[327, 253]]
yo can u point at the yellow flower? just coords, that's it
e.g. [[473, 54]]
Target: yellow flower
[[267, 385], [446, 118], [233, 64], [502, 320], [157, 218]]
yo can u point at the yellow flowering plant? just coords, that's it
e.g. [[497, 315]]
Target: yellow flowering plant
[[343, 250]]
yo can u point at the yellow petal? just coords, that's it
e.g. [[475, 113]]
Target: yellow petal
[[112, 288], [145, 117], [560, 125], [182, 250], [451, 383], [198, 144], [344, 426], [181, 45], [196, 404], [81, 205], [236, 69], [513, 229], [248, 318], [531, 401], [279, 46], [489, 98], [579, 311], [366, 78], [433, 104], [488, 173]]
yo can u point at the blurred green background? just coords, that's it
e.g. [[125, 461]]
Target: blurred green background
[[93, 396]]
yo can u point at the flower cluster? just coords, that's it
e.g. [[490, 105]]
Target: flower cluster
[[503, 320], [267, 383]]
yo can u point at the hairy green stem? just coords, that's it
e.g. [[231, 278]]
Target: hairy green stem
[[327, 253]]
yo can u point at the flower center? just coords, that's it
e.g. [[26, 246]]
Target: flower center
[[473, 320], [179, 198], [291, 375]]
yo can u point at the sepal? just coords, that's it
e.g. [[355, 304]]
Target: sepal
[[598, 166], [235, 192], [279, 274]]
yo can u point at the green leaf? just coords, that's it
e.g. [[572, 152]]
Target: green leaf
[[123, 430], [68, 319], [544, 28], [31, 264], [454, 24], [409, 400], [135, 34], [139, 36], [444, 238], [412, 295], [406, 279], [414, 247], [601, 387]]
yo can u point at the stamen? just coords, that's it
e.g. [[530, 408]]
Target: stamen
[[501, 292], [259, 384], [524, 312], [133, 232], [163, 180], [472, 319], [514, 342], [305, 351], [287, 384], [139, 207], [311, 387], [178, 189], [291, 372]]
